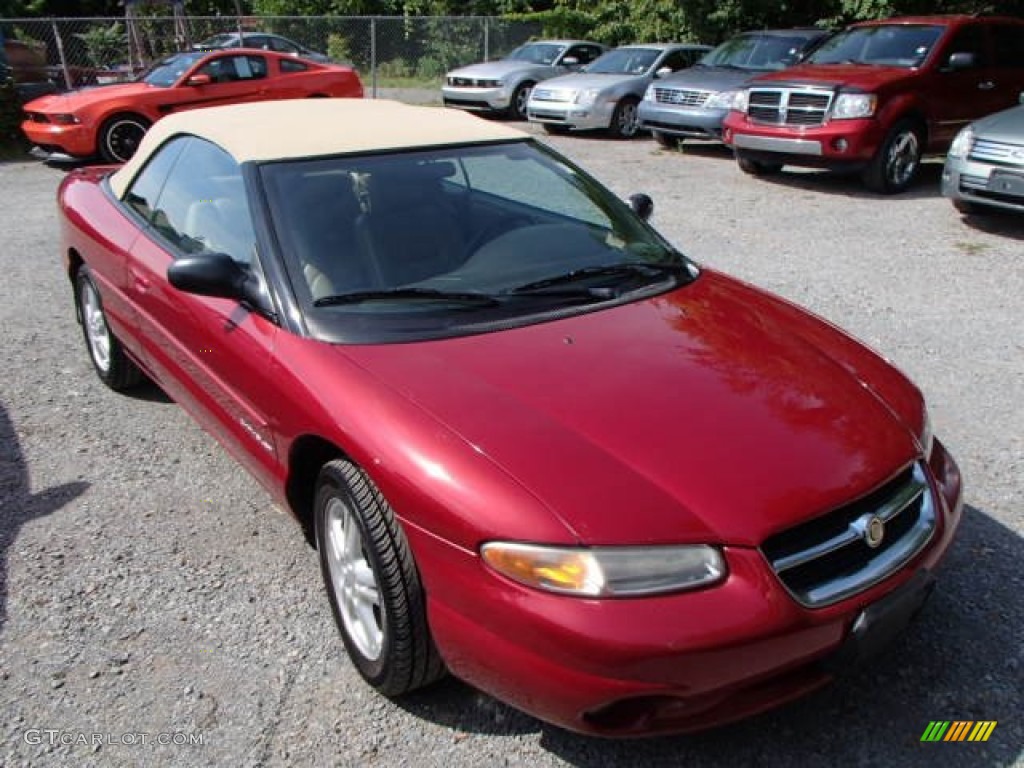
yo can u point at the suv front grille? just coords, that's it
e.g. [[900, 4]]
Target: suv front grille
[[997, 153], [789, 106], [834, 556], [680, 97]]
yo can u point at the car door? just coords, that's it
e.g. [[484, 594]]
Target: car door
[[955, 96], [234, 78], [212, 355]]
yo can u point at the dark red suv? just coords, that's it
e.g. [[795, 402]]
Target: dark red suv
[[879, 95]]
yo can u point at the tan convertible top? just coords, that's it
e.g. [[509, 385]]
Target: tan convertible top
[[276, 130]]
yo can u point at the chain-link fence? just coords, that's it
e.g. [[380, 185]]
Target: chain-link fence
[[386, 50]]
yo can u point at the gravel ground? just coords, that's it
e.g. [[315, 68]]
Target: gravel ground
[[150, 587]]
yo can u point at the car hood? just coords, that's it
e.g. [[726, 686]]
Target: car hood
[[1006, 126], [711, 413], [489, 70], [851, 76], [701, 78], [72, 101], [583, 80]]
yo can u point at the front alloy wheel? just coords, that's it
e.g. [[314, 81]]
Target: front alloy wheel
[[896, 163], [112, 365], [372, 582], [625, 122]]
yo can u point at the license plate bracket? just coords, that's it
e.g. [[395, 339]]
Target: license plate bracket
[[1006, 183]]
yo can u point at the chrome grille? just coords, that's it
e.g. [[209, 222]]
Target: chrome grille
[[789, 106], [472, 82], [996, 152], [683, 98], [545, 94], [833, 557]]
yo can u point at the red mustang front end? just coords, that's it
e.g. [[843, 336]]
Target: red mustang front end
[[535, 445]]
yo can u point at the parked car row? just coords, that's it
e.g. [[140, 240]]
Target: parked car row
[[873, 99]]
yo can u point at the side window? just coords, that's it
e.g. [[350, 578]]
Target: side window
[[145, 188], [1008, 45], [229, 69], [293, 65], [969, 39], [282, 46], [203, 206]]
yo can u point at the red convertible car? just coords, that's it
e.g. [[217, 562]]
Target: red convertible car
[[110, 120], [534, 444]]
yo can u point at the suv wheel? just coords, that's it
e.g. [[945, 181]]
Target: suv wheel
[[894, 167]]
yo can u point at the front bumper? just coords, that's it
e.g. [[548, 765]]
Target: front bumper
[[477, 99], [984, 184], [578, 117], [78, 140], [665, 664], [839, 144], [694, 123]]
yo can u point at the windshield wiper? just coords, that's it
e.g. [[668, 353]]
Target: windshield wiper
[[624, 269], [408, 294]]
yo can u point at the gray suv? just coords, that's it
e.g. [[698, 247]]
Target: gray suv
[[693, 103]]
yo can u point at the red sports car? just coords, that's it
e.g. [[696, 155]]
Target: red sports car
[[534, 444], [110, 120]]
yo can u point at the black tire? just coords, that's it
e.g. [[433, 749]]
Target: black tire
[[969, 208], [555, 129], [520, 97], [894, 167], [625, 122], [757, 167], [109, 359], [666, 140], [399, 655], [119, 136]]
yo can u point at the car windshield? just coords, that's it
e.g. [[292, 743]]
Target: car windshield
[[757, 52], [624, 61], [219, 41], [447, 242], [537, 53], [885, 45], [167, 72]]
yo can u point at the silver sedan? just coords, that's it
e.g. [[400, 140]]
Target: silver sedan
[[605, 95], [985, 165]]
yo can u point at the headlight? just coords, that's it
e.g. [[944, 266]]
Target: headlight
[[849, 106], [927, 437], [961, 145], [587, 96], [606, 571], [649, 94], [739, 101], [64, 119], [723, 100]]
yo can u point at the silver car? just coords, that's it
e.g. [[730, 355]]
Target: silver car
[[985, 165], [606, 93], [504, 85]]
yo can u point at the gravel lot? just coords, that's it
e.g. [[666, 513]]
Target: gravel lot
[[150, 587]]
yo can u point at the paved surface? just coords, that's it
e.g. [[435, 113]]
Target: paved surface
[[150, 587]]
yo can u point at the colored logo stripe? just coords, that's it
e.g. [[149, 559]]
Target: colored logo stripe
[[959, 730]]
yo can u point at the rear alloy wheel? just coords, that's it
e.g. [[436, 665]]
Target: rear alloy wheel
[[372, 582], [895, 165], [625, 122], [520, 98], [119, 137], [666, 140], [112, 365], [757, 167]]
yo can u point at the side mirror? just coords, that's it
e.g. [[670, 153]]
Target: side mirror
[[663, 72], [199, 80], [569, 61], [1020, 99], [958, 61], [642, 205], [211, 274]]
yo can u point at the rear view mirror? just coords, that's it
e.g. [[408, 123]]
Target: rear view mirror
[[209, 274], [642, 205]]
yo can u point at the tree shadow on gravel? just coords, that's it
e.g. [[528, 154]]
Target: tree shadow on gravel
[[18, 504], [962, 660]]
